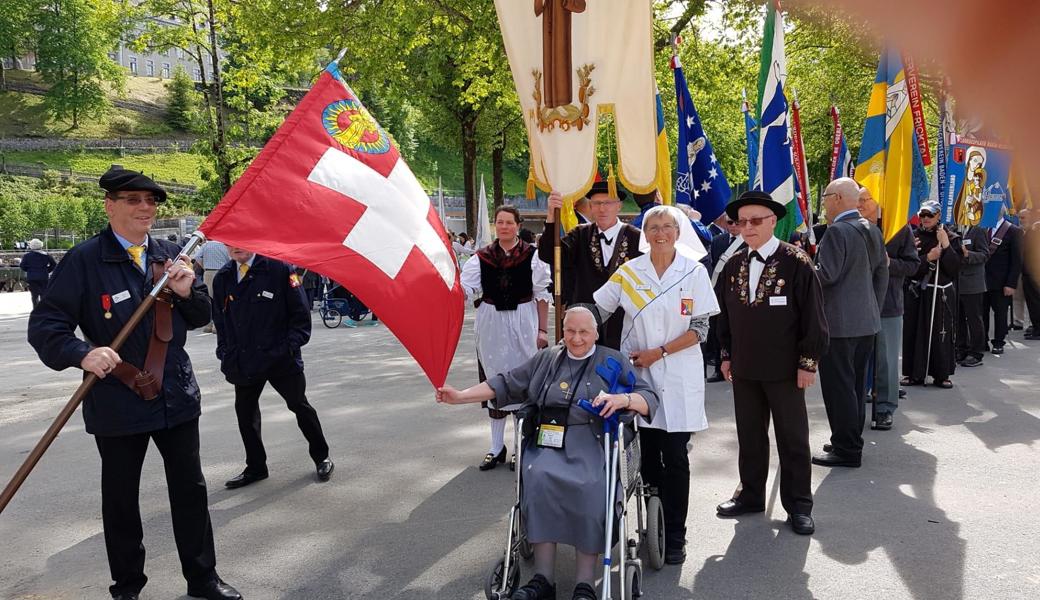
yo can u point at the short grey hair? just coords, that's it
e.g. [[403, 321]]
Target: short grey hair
[[35, 244], [580, 310], [663, 211]]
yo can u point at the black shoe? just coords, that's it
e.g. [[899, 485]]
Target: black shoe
[[325, 469], [801, 524], [1030, 331], [831, 459], [997, 350], [491, 461], [126, 596], [1015, 327], [902, 393], [1031, 336], [971, 361], [734, 508], [715, 377], [216, 590], [244, 479], [538, 588], [883, 423], [675, 556], [584, 591]]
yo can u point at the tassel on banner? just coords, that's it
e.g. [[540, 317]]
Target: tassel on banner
[[530, 183], [611, 181]]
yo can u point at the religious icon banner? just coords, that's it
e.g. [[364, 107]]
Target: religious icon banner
[[977, 190], [572, 60]]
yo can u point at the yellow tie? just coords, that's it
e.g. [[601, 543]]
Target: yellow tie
[[135, 253], [242, 269]]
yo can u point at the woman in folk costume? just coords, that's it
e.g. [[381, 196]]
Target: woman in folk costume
[[512, 312], [667, 297]]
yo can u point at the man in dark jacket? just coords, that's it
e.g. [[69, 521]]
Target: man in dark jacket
[[96, 288], [262, 321], [37, 265], [1003, 269], [971, 290], [853, 270], [902, 262]]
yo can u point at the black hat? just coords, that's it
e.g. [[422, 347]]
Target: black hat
[[118, 179], [600, 187], [755, 198]]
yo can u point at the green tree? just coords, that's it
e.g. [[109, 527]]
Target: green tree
[[14, 225], [73, 40], [95, 216], [70, 215], [15, 32], [181, 104], [41, 212]]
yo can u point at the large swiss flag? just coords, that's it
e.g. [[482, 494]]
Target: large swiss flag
[[330, 192]]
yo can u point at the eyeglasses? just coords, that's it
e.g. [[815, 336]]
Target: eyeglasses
[[926, 215], [666, 228], [135, 199], [829, 194], [730, 222], [599, 203], [753, 221]]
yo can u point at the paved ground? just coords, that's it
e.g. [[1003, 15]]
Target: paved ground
[[943, 507]]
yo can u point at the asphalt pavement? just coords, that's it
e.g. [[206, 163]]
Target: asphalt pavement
[[943, 508]]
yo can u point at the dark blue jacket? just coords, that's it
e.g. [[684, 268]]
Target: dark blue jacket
[[262, 321], [37, 266], [92, 269]]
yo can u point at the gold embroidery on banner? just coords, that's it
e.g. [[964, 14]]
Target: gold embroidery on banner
[[569, 115]]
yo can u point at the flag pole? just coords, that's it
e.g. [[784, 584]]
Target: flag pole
[[557, 277], [70, 407]]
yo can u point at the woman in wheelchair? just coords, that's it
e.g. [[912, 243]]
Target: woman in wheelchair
[[563, 462]]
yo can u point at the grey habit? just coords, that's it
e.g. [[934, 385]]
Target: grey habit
[[562, 495]]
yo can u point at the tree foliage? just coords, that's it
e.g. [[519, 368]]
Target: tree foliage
[[181, 103]]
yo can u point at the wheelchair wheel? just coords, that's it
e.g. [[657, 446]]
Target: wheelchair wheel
[[633, 582], [331, 318], [493, 583], [655, 533]]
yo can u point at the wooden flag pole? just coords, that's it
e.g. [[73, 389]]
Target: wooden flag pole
[[557, 275], [70, 407]]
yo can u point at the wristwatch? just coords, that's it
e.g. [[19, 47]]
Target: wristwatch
[[664, 352]]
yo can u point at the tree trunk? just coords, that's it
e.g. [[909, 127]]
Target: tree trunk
[[220, 142], [497, 156], [3, 75], [469, 171]]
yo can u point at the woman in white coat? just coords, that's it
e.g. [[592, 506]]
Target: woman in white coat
[[667, 297]]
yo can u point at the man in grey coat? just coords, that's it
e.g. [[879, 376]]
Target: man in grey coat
[[971, 291], [903, 261], [853, 269]]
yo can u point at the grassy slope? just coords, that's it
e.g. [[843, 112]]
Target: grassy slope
[[179, 167]]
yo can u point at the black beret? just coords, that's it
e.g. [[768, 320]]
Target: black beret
[[118, 179], [756, 198], [600, 187]]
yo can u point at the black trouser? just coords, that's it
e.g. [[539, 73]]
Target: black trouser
[[666, 466], [292, 389], [1031, 291], [1000, 305], [711, 346], [971, 330], [843, 381], [121, 460], [754, 402], [36, 290]]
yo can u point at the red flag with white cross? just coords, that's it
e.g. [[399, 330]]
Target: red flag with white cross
[[330, 192]]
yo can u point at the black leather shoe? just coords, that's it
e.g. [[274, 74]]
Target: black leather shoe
[[126, 596], [538, 588], [997, 350], [883, 423], [1015, 327], [902, 393], [830, 459], [216, 590], [244, 479], [675, 556], [734, 508], [971, 361], [325, 469], [1032, 335], [715, 377], [801, 524], [584, 591], [491, 461]]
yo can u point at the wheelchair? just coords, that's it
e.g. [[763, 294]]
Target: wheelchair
[[334, 308]]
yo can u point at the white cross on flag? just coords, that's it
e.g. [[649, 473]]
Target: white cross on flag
[[330, 192]]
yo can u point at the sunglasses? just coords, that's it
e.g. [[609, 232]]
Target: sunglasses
[[753, 221], [134, 200], [925, 214]]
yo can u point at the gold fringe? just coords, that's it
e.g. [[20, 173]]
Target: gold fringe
[[530, 183], [611, 181]]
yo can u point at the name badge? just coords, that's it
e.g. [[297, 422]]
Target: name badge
[[642, 288], [778, 301], [967, 242], [123, 295], [551, 436], [267, 294], [686, 307]]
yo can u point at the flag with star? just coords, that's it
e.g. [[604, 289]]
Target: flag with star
[[331, 193], [700, 182]]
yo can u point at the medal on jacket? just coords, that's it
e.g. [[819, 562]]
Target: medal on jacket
[[106, 303]]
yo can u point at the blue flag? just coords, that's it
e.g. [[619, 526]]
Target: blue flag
[[700, 182], [751, 134]]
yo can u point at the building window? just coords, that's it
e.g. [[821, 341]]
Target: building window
[[165, 52], [165, 71], [133, 65], [149, 68], [198, 75], [180, 53]]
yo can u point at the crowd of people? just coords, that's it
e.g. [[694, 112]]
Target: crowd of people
[[665, 300]]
